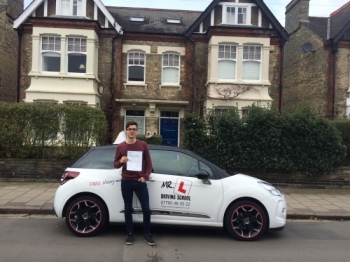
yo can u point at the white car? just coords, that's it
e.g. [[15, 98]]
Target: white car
[[184, 189]]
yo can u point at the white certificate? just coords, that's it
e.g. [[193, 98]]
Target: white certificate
[[134, 161]]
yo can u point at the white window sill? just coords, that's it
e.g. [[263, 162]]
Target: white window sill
[[37, 74], [237, 82], [135, 84], [170, 85], [236, 24]]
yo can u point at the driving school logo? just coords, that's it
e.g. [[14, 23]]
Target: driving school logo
[[182, 187]]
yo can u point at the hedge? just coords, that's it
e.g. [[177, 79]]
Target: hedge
[[31, 130], [266, 140]]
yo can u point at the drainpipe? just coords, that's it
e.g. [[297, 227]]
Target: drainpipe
[[118, 75], [192, 76], [280, 88], [19, 54], [334, 56]]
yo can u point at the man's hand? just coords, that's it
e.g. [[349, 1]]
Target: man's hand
[[142, 179], [124, 159]]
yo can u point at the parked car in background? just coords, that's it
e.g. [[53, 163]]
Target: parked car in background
[[184, 189]]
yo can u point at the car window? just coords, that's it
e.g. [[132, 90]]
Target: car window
[[97, 159], [176, 163]]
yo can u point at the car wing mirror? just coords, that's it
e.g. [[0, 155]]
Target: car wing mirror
[[204, 176]]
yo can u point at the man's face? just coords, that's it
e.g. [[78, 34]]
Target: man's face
[[131, 131]]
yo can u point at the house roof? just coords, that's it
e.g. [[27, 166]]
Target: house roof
[[331, 27], [318, 25], [155, 20], [340, 21], [261, 5], [36, 3]]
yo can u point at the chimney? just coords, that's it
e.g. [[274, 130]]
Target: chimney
[[296, 11], [14, 7]]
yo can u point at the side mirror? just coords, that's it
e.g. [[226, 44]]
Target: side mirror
[[203, 175]]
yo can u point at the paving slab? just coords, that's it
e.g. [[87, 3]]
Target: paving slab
[[302, 203]]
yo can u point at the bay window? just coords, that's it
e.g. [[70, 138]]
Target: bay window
[[76, 53], [251, 62], [227, 62], [50, 53]]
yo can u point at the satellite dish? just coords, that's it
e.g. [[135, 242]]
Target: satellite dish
[[305, 48]]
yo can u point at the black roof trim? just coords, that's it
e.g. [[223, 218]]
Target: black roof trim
[[280, 29]]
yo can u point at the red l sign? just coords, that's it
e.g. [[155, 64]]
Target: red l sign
[[181, 188]]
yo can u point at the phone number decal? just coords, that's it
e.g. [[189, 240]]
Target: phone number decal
[[175, 204]]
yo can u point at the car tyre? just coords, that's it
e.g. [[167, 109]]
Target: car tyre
[[86, 216], [245, 220]]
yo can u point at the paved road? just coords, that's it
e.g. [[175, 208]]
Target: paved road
[[47, 239]]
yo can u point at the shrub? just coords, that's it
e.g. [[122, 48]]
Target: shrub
[[266, 140], [33, 130], [153, 140], [343, 125]]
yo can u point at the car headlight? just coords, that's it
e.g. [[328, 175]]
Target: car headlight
[[273, 190]]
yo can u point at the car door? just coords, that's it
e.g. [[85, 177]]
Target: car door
[[176, 195]]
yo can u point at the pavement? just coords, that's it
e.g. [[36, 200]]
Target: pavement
[[36, 198]]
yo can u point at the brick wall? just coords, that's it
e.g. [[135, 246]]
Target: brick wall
[[342, 80], [32, 169], [14, 7], [51, 170], [8, 51], [26, 61], [296, 10], [153, 75], [305, 75]]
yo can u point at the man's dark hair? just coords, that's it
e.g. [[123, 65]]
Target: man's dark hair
[[131, 123]]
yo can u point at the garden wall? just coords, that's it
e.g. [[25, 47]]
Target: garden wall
[[48, 170]]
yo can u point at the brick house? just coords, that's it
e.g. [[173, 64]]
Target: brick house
[[151, 65], [319, 74], [9, 11]]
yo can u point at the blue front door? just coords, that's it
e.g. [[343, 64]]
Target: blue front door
[[169, 130]]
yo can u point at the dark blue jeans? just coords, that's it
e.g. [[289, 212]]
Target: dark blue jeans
[[141, 191]]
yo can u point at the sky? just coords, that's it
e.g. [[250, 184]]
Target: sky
[[277, 7]]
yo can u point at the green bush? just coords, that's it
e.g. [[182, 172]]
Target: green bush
[[153, 140], [265, 139], [49, 131], [343, 125]]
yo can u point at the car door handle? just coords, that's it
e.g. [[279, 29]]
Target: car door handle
[[150, 179]]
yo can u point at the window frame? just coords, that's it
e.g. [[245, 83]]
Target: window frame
[[171, 66], [227, 59], [82, 8], [76, 52], [236, 6], [42, 52], [134, 65], [254, 60]]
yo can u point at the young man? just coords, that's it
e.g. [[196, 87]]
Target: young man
[[133, 155]]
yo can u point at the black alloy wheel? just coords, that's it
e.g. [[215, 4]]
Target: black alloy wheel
[[246, 221], [86, 216]]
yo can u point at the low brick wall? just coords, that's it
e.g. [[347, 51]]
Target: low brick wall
[[51, 170], [339, 178], [46, 170]]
